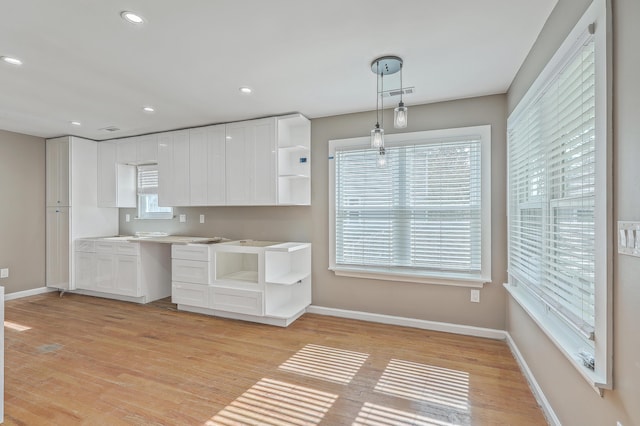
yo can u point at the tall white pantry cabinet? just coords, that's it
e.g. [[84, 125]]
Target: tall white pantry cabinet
[[71, 205]]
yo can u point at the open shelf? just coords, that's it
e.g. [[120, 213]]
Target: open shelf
[[285, 312], [248, 276]]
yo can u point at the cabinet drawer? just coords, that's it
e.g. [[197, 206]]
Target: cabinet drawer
[[87, 246], [190, 252], [190, 271], [104, 247], [128, 248], [190, 294], [234, 300]]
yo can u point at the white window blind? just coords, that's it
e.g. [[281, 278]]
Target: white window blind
[[148, 195], [552, 208], [148, 179], [421, 214]]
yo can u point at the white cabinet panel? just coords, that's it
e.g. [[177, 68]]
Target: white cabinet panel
[[207, 165], [116, 182], [85, 270], [190, 294], [58, 247], [127, 150], [127, 282], [199, 252], [235, 300], [105, 272], [147, 149], [251, 163], [57, 172], [173, 169], [191, 271]]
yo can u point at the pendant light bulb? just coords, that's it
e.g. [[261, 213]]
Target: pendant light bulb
[[400, 116], [377, 137], [381, 162]]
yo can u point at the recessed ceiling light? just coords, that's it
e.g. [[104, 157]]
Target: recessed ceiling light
[[148, 109], [131, 17], [10, 60], [246, 90], [75, 123]]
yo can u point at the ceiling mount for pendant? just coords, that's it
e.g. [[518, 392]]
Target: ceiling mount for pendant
[[386, 65]]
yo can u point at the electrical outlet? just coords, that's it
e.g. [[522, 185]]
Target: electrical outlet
[[201, 218], [183, 218], [475, 296], [4, 273]]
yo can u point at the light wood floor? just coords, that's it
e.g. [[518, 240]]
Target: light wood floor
[[83, 360]]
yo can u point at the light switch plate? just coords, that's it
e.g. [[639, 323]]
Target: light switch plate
[[629, 238], [4, 273], [183, 218], [127, 217], [201, 218], [475, 296]]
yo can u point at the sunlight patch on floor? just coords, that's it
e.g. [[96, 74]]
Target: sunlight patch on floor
[[326, 363], [378, 415], [272, 402], [15, 326], [437, 386]]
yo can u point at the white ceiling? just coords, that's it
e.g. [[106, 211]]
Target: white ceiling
[[82, 62]]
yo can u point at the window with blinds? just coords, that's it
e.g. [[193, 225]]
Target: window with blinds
[[420, 215], [558, 214], [148, 195]]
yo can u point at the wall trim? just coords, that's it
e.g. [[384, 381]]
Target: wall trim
[[27, 293], [533, 383], [466, 330]]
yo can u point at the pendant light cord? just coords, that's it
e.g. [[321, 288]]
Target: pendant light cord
[[381, 98], [377, 95], [401, 88]]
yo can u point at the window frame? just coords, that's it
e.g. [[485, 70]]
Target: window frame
[[401, 139], [596, 20]]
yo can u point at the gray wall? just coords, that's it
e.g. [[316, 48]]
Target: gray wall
[[572, 398], [22, 202], [429, 302]]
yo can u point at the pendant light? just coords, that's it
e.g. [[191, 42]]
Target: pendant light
[[377, 134], [382, 66], [401, 111]]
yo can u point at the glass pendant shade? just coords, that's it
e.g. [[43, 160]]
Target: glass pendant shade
[[381, 162], [400, 116], [377, 137]]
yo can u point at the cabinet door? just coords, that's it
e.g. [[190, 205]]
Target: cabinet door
[[127, 282], [105, 272], [85, 270], [207, 165], [173, 169], [251, 163], [58, 247], [107, 186], [198, 166], [127, 153], [263, 186], [57, 172], [147, 149]]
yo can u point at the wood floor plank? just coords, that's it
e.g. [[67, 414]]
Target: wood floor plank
[[79, 360]]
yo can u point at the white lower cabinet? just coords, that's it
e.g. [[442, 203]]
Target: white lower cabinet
[[256, 281], [122, 270]]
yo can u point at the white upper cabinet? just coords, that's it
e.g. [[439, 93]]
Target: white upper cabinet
[[57, 170], [116, 182], [207, 165], [127, 150], [173, 169], [147, 149], [251, 162]]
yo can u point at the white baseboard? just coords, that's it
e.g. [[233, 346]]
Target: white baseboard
[[533, 384], [466, 330], [27, 293]]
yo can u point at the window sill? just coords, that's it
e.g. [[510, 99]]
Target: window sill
[[443, 279], [553, 329]]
